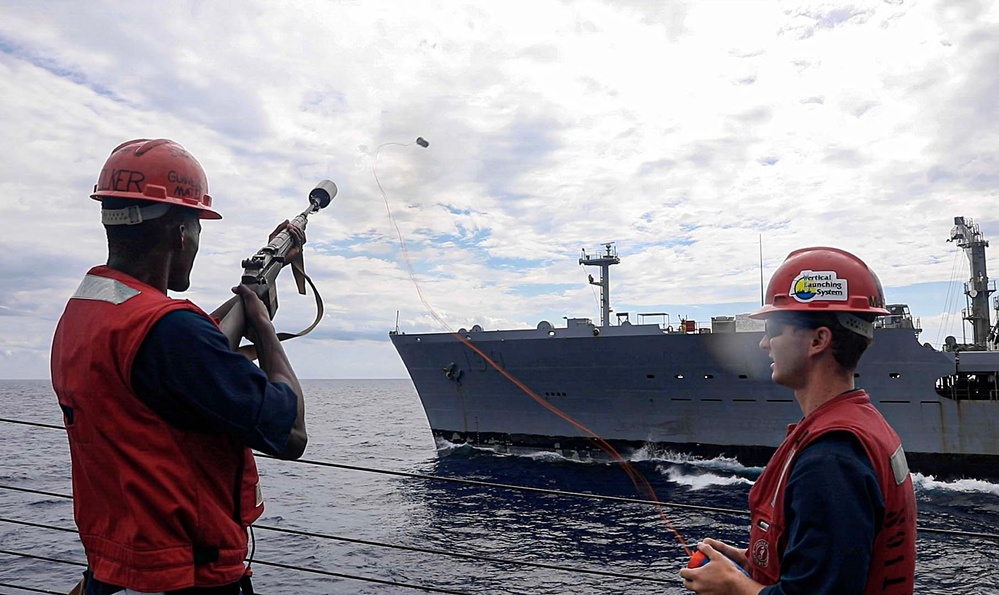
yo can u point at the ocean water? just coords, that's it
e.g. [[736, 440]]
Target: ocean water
[[379, 424]]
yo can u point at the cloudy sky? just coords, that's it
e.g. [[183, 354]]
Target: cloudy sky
[[689, 134]]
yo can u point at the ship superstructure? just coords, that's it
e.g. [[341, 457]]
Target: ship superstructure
[[703, 389]]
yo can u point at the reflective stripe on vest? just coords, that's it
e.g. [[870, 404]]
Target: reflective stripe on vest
[[104, 290]]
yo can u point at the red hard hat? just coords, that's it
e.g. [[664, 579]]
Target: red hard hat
[[157, 171], [823, 280]]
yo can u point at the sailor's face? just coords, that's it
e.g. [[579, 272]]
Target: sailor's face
[[787, 346]]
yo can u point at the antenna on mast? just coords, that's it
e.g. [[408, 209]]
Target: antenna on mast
[[604, 261]]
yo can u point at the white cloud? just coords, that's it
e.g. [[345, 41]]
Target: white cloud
[[683, 131]]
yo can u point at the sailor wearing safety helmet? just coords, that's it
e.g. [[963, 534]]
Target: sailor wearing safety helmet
[[834, 510], [161, 414]]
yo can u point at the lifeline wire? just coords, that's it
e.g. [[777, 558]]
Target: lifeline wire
[[640, 482], [488, 484], [429, 477], [464, 556], [357, 541], [32, 589], [461, 555], [365, 579], [265, 563], [362, 542], [380, 544], [32, 423], [43, 558]]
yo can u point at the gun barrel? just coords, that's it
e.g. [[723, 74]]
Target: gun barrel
[[282, 242], [260, 271]]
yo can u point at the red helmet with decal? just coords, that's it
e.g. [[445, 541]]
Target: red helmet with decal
[[820, 279], [158, 171]]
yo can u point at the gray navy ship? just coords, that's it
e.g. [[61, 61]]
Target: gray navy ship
[[699, 389]]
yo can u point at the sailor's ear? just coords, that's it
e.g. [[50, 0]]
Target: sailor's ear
[[822, 339], [177, 233]]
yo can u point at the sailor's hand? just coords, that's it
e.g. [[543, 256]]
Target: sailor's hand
[[258, 321], [297, 236], [717, 577], [737, 555]]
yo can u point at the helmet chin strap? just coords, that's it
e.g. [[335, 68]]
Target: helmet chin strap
[[133, 215], [856, 324]]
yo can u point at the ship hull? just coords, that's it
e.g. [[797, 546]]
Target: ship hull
[[636, 386]]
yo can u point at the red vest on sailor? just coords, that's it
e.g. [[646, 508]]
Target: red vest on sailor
[[894, 553], [158, 508]]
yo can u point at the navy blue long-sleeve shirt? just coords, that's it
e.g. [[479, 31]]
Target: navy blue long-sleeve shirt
[[833, 509], [186, 373]]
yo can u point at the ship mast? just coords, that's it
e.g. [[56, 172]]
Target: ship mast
[[604, 262], [968, 236]]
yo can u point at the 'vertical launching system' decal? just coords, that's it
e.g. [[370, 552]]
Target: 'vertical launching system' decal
[[815, 286]]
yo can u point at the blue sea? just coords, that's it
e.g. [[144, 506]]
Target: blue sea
[[365, 425]]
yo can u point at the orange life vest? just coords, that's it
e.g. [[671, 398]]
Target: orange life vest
[[893, 558], [158, 508]]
